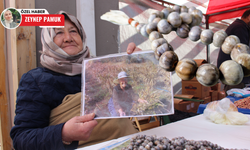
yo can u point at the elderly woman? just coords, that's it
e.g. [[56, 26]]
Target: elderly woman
[[48, 99], [124, 96], [8, 22]]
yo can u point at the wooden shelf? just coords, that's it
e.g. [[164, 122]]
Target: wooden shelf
[[145, 124]]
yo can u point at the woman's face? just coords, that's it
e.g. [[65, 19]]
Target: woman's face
[[123, 83], [68, 38], [8, 15]]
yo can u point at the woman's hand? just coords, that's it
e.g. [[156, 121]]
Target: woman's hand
[[121, 112], [132, 48], [78, 128]]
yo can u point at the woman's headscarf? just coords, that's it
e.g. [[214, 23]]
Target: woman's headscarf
[[54, 58]]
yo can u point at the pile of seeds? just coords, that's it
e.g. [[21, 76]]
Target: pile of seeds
[[243, 103], [143, 142]]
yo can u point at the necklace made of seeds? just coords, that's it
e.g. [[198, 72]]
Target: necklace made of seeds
[[185, 21]]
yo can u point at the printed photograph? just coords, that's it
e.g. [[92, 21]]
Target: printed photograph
[[126, 86]]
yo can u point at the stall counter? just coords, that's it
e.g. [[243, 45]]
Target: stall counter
[[196, 128]]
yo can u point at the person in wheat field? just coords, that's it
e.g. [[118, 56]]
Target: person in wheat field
[[124, 96]]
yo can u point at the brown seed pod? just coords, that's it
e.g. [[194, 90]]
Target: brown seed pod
[[151, 27], [186, 69], [162, 49], [139, 26], [154, 35], [176, 8], [174, 19], [207, 36], [231, 73], [182, 31], [184, 9], [156, 55], [229, 43], [168, 60], [156, 20], [164, 27], [194, 22], [156, 14], [190, 9], [159, 14], [207, 74], [165, 12], [143, 30], [151, 17], [244, 60], [186, 17], [169, 9], [194, 34], [156, 43], [238, 49], [219, 37], [197, 16], [197, 13]]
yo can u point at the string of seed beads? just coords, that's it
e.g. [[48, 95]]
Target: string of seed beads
[[207, 75]]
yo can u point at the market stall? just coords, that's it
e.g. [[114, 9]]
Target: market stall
[[196, 128]]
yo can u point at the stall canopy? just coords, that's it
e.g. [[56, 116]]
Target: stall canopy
[[220, 10]]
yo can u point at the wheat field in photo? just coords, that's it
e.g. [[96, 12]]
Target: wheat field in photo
[[148, 80]]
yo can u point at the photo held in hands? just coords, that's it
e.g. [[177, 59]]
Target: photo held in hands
[[123, 85]]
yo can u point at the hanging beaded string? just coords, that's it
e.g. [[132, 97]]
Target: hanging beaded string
[[186, 24]]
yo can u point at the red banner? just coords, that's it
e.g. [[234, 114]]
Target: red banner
[[42, 20]]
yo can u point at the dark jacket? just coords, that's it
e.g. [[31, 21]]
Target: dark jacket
[[40, 90], [124, 99], [242, 31]]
